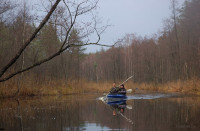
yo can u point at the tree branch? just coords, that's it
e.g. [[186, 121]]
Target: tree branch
[[13, 60], [34, 65], [64, 46]]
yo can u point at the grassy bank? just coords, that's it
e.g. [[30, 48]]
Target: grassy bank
[[29, 88], [52, 88], [183, 87]]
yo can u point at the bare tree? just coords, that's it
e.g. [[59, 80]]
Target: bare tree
[[80, 8], [177, 43]]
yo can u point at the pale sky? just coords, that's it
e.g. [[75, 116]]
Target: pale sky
[[142, 17]]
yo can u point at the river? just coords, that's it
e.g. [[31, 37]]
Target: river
[[140, 112]]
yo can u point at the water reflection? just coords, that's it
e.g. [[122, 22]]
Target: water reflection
[[84, 112], [118, 106]]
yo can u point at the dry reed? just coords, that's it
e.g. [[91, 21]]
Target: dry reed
[[60, 87]]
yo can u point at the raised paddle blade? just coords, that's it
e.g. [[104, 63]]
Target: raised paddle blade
[[129, 91]]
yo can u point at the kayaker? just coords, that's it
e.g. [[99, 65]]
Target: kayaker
[[114, 84], [114, 89], [122, 89]]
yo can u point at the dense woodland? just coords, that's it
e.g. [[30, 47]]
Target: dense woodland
[[170, 55]]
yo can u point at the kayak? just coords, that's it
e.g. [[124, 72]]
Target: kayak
[[117, 96], [118, 102]]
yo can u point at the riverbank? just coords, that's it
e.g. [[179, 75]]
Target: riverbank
[[183, 87], [54, 88]]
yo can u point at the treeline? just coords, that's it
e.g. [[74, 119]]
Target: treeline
[[174, 54]]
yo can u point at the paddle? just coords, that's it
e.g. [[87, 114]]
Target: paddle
[[127, 91], [129, 107], [126, 80]]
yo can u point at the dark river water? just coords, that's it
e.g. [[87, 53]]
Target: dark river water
[[140, 112]]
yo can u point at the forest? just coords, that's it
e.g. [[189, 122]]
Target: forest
[[172, 55]]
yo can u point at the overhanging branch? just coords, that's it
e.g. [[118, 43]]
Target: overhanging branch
[[16, 57]]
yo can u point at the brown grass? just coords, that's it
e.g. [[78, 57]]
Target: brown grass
[[29, 88]]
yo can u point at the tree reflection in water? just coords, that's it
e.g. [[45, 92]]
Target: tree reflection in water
[[84, 112]]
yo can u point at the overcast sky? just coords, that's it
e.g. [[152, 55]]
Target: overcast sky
[[142, 17]]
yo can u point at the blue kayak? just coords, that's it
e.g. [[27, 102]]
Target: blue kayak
[[119, 102], [116, 96]]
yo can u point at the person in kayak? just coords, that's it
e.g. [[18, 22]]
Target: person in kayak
[[122, 89], [118, 90], [114, 89]]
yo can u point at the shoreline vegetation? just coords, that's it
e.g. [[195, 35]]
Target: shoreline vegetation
[[51, 60], [56, 88]]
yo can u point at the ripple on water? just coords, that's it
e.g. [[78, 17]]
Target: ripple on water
[[150, 96]]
